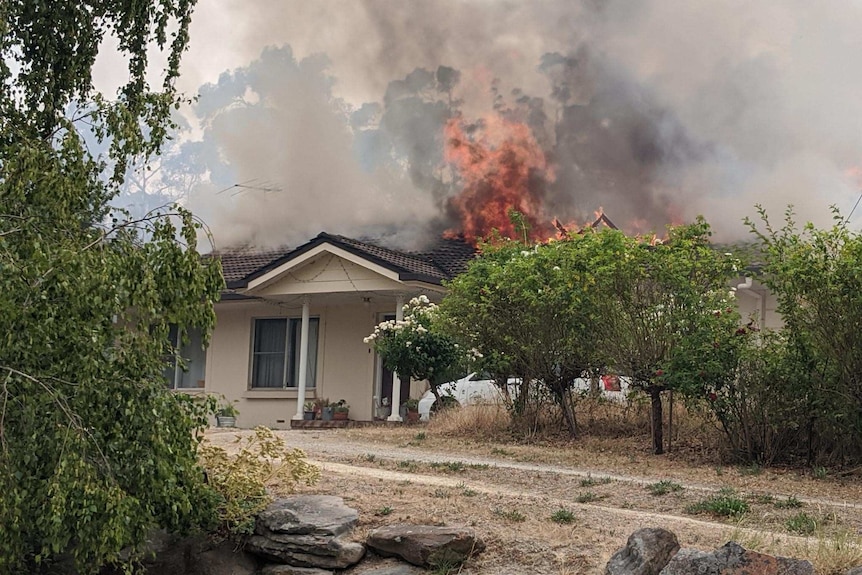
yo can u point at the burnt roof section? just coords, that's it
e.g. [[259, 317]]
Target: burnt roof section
[[447, 258]]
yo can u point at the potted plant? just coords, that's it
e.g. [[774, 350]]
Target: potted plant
[[323, 408], [308, 411], [412, 406], [340, 410], [226, 413]]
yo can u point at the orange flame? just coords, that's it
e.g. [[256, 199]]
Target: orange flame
[[502, 168]]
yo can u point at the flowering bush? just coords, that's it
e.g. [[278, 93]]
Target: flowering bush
[[415, 347]]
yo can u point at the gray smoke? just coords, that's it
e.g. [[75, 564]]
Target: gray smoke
[[653, 110]]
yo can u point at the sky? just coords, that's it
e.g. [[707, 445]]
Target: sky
[[334, 112]]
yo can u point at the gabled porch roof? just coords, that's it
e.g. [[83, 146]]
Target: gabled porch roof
[[247, 268]]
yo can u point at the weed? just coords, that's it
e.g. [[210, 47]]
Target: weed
[[819, 472], [664, 487], [789, 503], [369, 457], [512, 515], [450, 466], [588, 497], [407, 464], [762, 498], [441, 493], [801, 523], [385, 510], [479, 466], [499, 451], [589, 481], [753, 469], [563, 516], [469, 493], [419, 436], [724, 504]]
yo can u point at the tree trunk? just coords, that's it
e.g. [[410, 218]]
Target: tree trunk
[[657, 420]]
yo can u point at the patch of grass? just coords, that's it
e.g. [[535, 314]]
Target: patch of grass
[[383, 511], [419, 436], [510, 515], [563, 516], [369, 457], [726, 503], [450, 466], [664, 487], [819, 472], [789, 503], [753, 469], [801, 523], [441, 493], [499, 451], [407, 464], [588, 497], [589, 481]]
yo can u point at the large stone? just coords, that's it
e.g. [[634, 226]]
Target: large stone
[[733, 559], [426, 545], [854, 571], [305, 530], [646, 552]]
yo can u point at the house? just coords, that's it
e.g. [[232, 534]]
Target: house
[[291, 324]]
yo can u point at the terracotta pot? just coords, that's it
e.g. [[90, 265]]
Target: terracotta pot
[[412, 416], [340, 415]]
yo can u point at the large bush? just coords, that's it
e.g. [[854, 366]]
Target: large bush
[[94, 451]]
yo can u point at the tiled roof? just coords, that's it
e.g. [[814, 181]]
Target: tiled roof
[[444, 260]]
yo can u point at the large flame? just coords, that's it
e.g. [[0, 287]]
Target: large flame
[[501, 168]]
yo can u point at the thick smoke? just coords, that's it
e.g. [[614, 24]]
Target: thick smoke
[[655, 111]]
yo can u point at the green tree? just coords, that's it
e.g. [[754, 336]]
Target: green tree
[[533, 311], [94, 451], [668, 319], [817, 279]]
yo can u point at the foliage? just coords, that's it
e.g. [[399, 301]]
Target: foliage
[[664, 487], [669, 322], [724, 504], [815, 275], [227, 408], [240, 480], [340, 406], [563, 516], [533, 311], [94, 451], [415, 346], [801, 523]]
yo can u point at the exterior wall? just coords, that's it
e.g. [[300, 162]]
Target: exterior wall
[[759, 304], [345, 364]]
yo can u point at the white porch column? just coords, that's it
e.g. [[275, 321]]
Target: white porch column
[[303, 358], [396, 379]]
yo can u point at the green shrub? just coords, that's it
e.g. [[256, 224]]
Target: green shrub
[[664, 487], [801, 523], [724, 504], [240, 480], [563, 516]]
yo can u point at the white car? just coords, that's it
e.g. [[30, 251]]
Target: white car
[[479, 388], [471, 389]]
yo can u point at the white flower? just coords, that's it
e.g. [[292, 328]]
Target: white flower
[[556, 268]]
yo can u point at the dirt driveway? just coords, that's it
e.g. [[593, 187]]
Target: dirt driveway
[[556, 512]]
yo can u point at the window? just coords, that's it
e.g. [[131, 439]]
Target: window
[[188, 374], [275, 353]]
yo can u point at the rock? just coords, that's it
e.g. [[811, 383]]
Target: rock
[[305, 530], [291, 570], [733, 559], [425, 545], [388, 567], [646, 552], [854, 571]]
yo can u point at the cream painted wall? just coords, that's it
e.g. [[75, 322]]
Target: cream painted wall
[[345, 364]]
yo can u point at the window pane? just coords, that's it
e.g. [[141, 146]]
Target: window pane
[[195, 358], [270, 337]]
